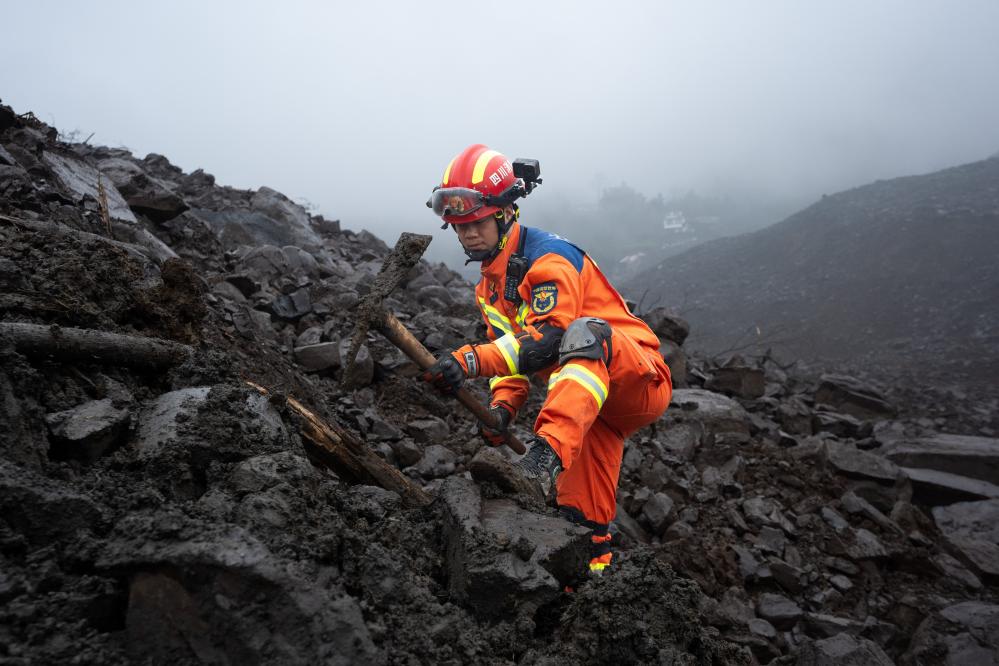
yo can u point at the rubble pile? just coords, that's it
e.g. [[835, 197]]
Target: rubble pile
[[775, 514]]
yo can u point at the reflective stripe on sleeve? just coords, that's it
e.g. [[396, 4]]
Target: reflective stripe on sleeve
[[509, 347], [499, 322], [495, 381], [584, 378]]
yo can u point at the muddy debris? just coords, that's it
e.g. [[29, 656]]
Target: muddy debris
[[777, 512]]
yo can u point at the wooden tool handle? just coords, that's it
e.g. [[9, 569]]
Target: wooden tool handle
[[400, 336]]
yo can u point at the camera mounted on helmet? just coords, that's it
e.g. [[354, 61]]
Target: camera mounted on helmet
[[463, 201]]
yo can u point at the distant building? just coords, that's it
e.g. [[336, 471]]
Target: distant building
[[674, 221]]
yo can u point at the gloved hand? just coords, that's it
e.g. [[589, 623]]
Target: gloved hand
[[446, 374], [503, 413]]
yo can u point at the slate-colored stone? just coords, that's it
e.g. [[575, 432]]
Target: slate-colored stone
[[972, 530], [842, 650], [973, 457], [318, 357], [854, 397], [87, 431], [777, 609]]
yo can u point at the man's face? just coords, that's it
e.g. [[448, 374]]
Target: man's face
[[479, 235]]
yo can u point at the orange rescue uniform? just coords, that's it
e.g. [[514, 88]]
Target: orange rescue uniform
[[591, 407]]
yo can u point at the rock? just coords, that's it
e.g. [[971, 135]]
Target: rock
[[762, 628], [288, 216], [855, 504], [772, 539], [266, 471], [778, 610], [676, 361], [253, 324], [145, 194], [841, 582], [158, 419], [501, 560], [740, 381], [216, 590], [81, 179], [363, 372], [667, 326], [972, 531], [300, 262], [44, 511], [264, 263], [734, 608], [933, 487], [842, 650], [952, 568], [972, 457], [87, 431], [318, 357], [959, 634], [293, 306], [854, 397], [865, 546], [854, 463], [627, 529], [657, 512], [437, 462], [372, 502], [489, 465], [717, 413], [406, 452], [749, 566], [839, 425], [428, 430], [313, 335], [826, 626], [788, 576]]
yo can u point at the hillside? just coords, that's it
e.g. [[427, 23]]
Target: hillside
[[894, 271], [156, 508]]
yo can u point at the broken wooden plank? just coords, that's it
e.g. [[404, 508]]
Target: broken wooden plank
[[350, 458]]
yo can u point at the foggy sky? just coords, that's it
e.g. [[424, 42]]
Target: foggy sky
[[358, 107]]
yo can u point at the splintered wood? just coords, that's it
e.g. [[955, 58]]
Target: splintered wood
[[328, 445]]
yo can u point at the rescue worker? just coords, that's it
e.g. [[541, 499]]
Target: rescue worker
[[550, 312]]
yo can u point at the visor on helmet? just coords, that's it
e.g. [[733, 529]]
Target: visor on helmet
[[455, 201]]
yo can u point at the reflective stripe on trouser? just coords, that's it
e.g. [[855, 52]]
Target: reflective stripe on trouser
[[589, 436], [600, 538]]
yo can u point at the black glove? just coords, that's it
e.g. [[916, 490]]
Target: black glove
[[503, 414], [446, 375]]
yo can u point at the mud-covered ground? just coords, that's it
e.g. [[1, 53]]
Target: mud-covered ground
[[171, 515]]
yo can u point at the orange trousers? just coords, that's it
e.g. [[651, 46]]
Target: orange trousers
[[589, 412]]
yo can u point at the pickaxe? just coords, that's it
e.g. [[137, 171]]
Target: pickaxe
[[371, 312]]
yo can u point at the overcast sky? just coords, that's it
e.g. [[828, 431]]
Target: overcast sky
[[357, 107]]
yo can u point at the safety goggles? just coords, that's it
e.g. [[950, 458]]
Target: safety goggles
[[455, 201]]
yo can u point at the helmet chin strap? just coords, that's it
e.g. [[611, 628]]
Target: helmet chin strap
[[502, 226]]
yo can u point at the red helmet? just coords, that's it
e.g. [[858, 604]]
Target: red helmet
[[478, 182]]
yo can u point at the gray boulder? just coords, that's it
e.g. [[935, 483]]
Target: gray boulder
[[739, 381], [87, 431], [972, 531], [973, 457], [842, 650], [503, 561], [144, 193], [717, 413], [81, 180], [958, 635], [854, 397]]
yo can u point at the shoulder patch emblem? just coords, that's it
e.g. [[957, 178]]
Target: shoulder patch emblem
[[544, 297]]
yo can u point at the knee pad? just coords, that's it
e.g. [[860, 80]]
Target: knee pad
[[537, 354], [586, 338]]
